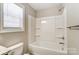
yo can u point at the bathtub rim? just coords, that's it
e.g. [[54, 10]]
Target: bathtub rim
[[31, 45]]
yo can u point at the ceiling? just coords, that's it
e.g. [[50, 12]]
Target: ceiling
[[40, 6]]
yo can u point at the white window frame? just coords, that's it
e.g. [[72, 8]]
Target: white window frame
[[12, 29]]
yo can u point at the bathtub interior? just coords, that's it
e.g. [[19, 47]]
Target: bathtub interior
[[45, 48]]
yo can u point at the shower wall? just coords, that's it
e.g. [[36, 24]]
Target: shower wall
[[45, 29], [31, 28], [52, 30], [32, 17], [44, 15]]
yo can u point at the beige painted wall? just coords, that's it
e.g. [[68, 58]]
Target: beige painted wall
[[48, 12], [30, 10], [8, 39]]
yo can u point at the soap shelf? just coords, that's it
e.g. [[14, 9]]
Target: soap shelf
[[76, 27], [59, 27]]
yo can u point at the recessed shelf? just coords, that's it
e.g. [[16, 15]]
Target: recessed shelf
[[37, 28], [59, 35], [37, 35], [59, 28]]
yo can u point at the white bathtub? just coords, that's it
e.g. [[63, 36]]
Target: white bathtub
[[45, 48]]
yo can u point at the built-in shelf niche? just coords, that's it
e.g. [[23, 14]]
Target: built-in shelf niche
[[59, 28], [60, 36]]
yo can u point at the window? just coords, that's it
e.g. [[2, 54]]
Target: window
[[13, 16]]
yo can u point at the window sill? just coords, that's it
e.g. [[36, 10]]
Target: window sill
[[11, 31]]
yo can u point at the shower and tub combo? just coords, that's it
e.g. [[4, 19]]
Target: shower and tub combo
[[49, 35]]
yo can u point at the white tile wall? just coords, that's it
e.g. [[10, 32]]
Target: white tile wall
[[47, 32]]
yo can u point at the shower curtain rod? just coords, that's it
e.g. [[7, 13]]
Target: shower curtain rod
[[75, 27]]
